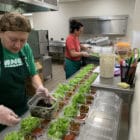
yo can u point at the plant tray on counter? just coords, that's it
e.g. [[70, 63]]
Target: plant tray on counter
[[43, 108]]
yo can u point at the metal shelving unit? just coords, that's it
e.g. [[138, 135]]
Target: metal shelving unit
[[56, 50]]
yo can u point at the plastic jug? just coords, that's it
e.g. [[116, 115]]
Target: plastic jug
[[107, 63]]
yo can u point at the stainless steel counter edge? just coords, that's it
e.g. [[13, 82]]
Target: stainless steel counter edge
[[111, 84]]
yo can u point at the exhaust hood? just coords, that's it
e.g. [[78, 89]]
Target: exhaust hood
[[104, 25], [28, 6]]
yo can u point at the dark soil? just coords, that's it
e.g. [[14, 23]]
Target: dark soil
[[43, 103]]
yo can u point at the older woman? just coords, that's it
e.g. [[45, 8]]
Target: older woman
[[16, 64]]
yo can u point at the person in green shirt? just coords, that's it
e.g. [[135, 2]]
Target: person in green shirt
[[16, 64]]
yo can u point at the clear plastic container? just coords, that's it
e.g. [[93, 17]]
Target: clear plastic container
[[108, 109], [100, 126], [94, 115], [43, 108], [107, 63], [107, 97], [74, 127], [58, 128], [107, 100], [89, 136], [106, 93], [89, 132]]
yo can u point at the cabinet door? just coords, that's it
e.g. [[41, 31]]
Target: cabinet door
[[115, 26], [91, 26], [35, 49], [47, 66], [43, 35], [43, 48]]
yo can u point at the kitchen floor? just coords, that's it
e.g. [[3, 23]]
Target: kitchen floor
[[58, 76]]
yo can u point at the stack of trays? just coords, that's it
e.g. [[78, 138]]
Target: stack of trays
[[103, 118], [98, 126]]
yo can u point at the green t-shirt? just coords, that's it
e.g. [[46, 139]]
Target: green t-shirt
[[13, 59]]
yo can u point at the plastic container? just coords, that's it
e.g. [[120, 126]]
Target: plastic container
[[107, 63], [84, 109], [74, 127], [100, 126], [89, 99], [93, 113], [108, 109], [98, 129], [58, 128], [69, 136], [110, 100], [106, 93], [92, 136], [43, 108]]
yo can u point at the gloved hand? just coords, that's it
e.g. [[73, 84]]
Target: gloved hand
[[88, 50], [8, 117], [85, 54], [42, 91]]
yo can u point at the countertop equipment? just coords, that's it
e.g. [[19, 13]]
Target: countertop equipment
[[56, 50], [99, 41], [38, 41]]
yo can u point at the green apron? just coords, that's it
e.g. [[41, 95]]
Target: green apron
[[71, 67], [12, 86]]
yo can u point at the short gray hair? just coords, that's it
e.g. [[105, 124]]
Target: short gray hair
[[14, 22]]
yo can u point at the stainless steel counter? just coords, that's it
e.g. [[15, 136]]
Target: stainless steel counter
[[56, 50], [111, 84], [57, 44]]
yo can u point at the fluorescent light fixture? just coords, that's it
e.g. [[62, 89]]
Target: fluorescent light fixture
[[68, 0], [27, 14], [96, 119]]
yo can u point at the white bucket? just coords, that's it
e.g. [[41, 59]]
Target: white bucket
[[107, 63]]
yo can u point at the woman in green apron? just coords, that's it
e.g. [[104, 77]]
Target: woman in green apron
[[16, 64], [73, 52]]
